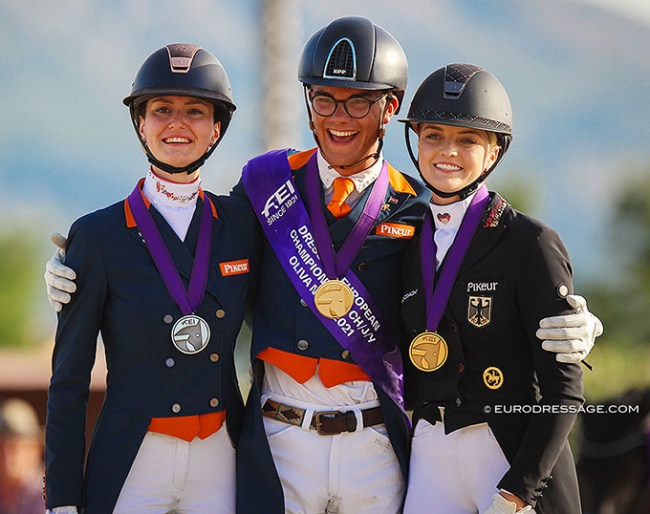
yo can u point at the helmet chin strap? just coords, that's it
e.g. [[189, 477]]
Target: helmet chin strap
[[463, 192], [375, 155], [190, 168]]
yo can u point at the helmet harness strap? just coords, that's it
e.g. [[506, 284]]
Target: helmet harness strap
[[190, 168], [381, 132], [463, 192]]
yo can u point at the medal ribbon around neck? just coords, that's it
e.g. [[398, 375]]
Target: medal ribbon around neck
[[337, 264], [187, 300], [428, 351]]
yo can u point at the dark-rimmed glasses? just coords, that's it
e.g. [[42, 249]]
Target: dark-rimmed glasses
[[355, 106]]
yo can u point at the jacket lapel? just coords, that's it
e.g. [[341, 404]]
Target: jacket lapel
[[488, 232]]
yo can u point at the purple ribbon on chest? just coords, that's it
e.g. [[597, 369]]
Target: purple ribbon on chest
[[187, 300], [436, 296], [304, 249]]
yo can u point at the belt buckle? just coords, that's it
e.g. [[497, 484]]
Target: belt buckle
[[319, 423]]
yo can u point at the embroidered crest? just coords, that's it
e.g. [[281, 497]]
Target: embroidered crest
[[479, 310], [493, 378]]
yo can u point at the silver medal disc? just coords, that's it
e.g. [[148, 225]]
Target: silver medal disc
[[190, 334]]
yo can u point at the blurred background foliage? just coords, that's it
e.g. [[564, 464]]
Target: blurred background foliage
[[21, 264]]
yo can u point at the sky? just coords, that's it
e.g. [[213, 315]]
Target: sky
[[638, 10]]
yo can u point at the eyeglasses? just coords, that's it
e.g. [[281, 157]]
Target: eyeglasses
[[355, 106]]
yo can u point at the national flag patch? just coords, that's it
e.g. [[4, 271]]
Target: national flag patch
[[396, 230], [234, 267]]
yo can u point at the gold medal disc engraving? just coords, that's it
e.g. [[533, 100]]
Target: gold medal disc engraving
[[190, 334], [333, 299], [428, 351]]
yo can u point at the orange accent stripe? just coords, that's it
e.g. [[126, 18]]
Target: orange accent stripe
[[189, 427], [130, 220], [300, 159], [302, 368], [128, 214], [399, 182]]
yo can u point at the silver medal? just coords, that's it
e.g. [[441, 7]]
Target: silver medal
[[190, 334]]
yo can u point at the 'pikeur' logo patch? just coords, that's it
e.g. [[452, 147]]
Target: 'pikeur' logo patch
[[479, 310]]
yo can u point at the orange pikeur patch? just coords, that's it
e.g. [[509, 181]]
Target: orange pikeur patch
[[234, 267], [395, 230]]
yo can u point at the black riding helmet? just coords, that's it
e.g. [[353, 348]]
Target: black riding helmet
[[463, 95], [352, 52], [187, 70]]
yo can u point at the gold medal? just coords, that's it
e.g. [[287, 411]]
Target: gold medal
[[333, 299], [493, 377], [190, 334], [428, 351]]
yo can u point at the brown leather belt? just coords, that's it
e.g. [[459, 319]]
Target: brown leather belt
[[325, 423]]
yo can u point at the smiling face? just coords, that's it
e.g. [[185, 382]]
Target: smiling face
[[178, 130], [345, 140], [451, 158]]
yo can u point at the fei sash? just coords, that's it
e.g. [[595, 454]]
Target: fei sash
[[285, 220]]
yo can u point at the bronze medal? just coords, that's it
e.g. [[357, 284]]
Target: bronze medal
[[493, 377], [428, 351], [333, 299], [190, 334]]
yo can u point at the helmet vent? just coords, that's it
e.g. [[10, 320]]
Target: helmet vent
[[456, 77], [180, 57], [342, 61]]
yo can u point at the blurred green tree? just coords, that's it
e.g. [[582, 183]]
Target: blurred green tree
[[20, 269], [624, 306]]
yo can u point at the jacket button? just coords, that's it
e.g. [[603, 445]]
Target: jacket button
[[362, 266], [303, 303], [461, 367], [167, 319], [169, 362], [454, 328], [220, 313], [345, 355], [176, 408], [214, 357], [459, 402], [214, 402], [302, 345]]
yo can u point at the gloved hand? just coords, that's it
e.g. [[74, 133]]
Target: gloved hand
[[63, 510], [571, 336], [58, 277], [502, 506]]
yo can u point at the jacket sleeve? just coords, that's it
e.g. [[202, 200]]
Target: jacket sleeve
[[545, 278], [72, 362]]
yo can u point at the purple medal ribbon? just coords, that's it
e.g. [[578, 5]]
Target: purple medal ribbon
[[436, 298], [337, 265], [287, 225], [187, 300]]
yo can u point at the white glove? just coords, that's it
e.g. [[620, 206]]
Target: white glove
[[63, 510], [502, 506], [58, 277], [571, 336]]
